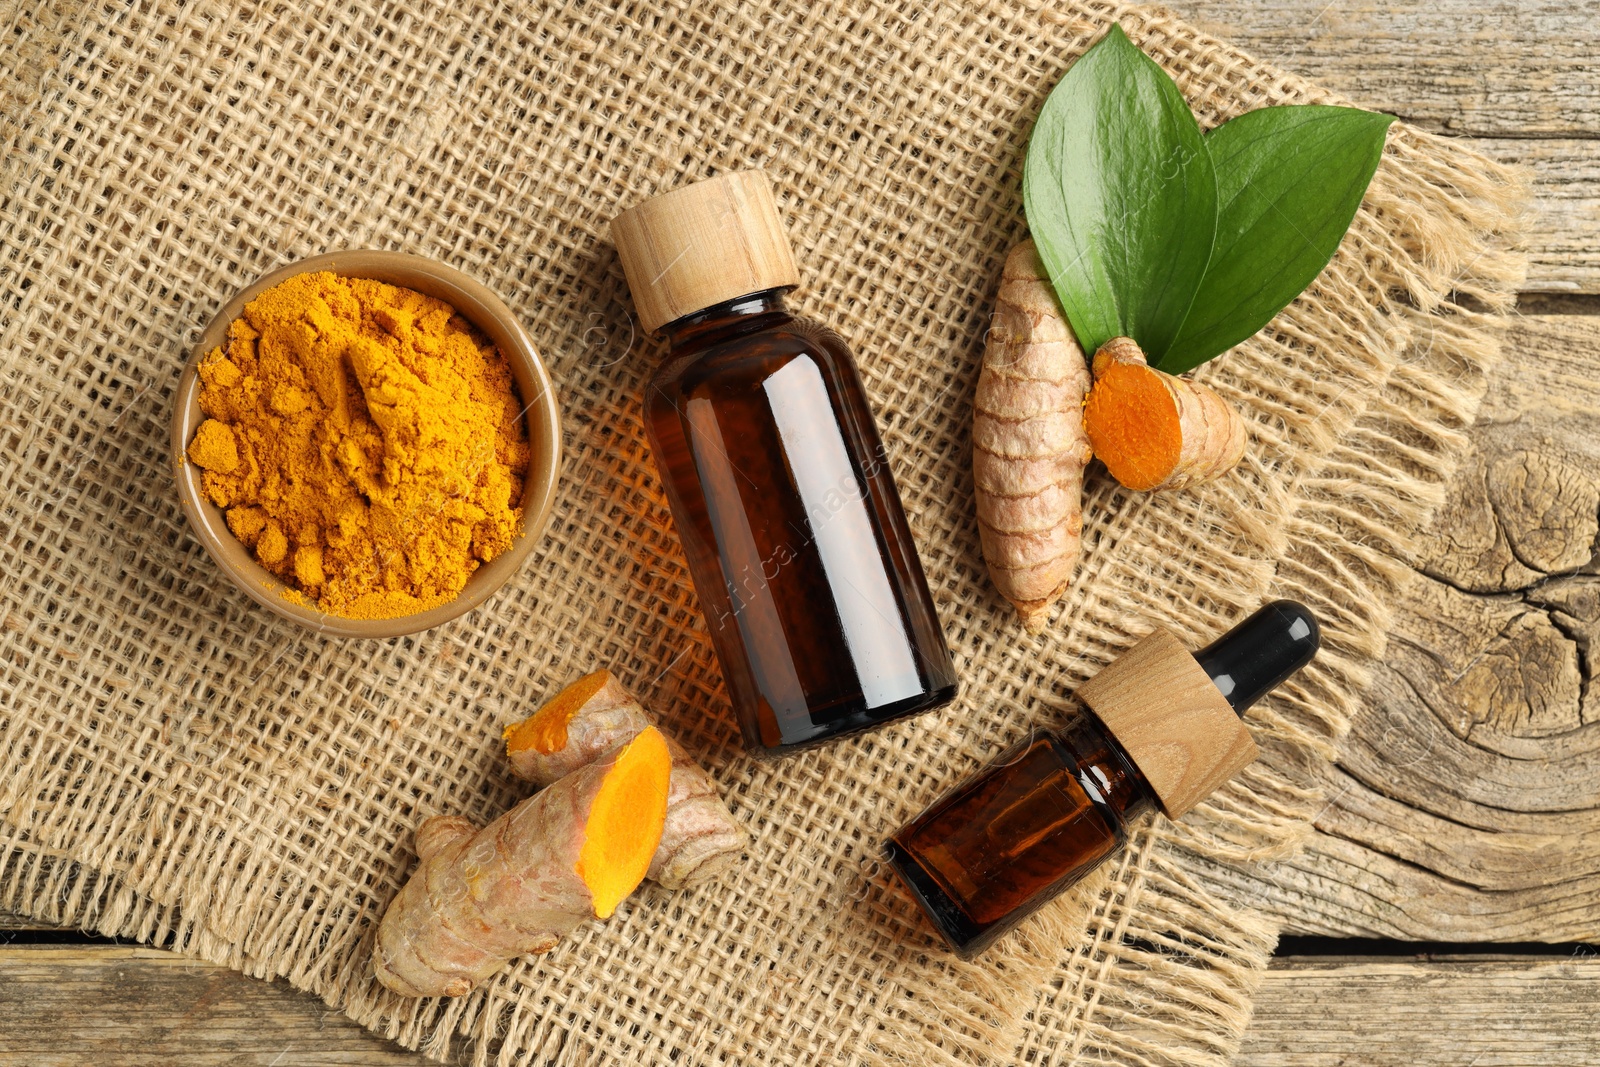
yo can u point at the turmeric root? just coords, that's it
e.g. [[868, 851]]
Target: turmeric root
[[479, 898], [1028, 444], [1156, 431], [700, 841]]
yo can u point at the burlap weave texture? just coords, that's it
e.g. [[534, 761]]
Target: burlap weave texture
[[182, 768]]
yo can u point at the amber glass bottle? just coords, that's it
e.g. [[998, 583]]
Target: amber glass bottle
[[1159, 727], [779, 486]]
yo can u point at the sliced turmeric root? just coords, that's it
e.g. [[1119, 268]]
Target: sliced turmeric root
[[480, 898], [625, 822], [1028, 445], [573, 728], [596, 713], [1156, 431]]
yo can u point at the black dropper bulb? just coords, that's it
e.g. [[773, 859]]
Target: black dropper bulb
[[1250, 660]]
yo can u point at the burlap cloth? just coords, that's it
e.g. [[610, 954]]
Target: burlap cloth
[[182, 768]]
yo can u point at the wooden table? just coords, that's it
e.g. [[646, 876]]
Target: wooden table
[[1457, 845]]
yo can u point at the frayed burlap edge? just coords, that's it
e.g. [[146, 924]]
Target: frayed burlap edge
[[1174, 958], [1144, 986], [1180, 988]]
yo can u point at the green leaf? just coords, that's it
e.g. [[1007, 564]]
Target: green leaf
[[1289, 181], [1120, 197]]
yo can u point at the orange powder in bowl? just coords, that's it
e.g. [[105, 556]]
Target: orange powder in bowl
[[364, 441]]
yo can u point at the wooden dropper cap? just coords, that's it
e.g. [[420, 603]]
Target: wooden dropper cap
[[1177, 713], [701, 244]]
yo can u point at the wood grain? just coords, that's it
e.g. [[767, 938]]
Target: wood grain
[[1492, 686], [700, 244], [10, 923], [1171, 720], [1450, 1011], [64, 1006], [1518, 78], [1564, 230], [1488, 68], [133, 1007], [1464, 805]]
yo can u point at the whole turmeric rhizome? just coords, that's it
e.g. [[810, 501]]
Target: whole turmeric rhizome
[[620, 803], [1042, 412], [363, 442]]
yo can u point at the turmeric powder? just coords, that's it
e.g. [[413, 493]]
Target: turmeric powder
[[364, 441]]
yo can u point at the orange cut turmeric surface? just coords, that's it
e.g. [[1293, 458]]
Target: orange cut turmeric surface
[[1132, 421], [364, 441], [625, 822], [567, 854], [700, 839], [1153, 430], [546, 730]]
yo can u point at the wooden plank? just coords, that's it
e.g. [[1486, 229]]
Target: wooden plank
[[1464, 805], [1564, 230], [9, 922], [133, 1006], [1461, 1011], [63, 1006], [1494, 68], [1505, 855], [1517, 78]]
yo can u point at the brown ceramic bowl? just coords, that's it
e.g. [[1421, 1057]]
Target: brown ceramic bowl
[[486, 311]]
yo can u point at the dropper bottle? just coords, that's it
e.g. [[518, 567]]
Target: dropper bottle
[[1159, 727]]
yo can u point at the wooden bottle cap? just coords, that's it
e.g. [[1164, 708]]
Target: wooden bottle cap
[[701, 244], [1171, 719]]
